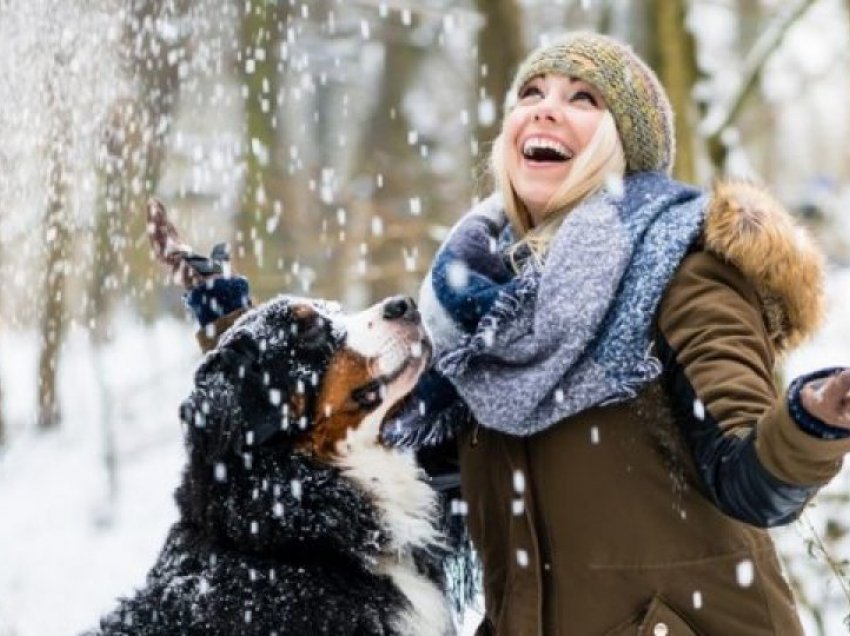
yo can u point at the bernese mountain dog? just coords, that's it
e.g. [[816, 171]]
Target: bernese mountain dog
[[294, 519]]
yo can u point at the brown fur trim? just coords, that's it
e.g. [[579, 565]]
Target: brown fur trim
[[748, 228]]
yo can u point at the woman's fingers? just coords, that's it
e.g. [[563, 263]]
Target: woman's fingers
[[163, 236], [840, 393], [838, 388], [828, 399], [167, 246]]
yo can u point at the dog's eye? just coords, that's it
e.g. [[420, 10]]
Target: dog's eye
[[369, 396]]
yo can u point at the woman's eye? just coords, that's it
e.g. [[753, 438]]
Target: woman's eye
[[583, 96], [530, 91]]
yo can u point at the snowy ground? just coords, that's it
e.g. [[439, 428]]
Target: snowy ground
[[66, 552]]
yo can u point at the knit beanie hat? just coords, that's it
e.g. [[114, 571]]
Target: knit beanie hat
[[632, 92]]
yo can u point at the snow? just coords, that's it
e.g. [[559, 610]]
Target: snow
[[63, 546], [744, 573]]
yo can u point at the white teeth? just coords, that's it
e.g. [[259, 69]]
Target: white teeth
[[533, 143]]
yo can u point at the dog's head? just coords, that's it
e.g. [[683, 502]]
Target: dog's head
[[298, 372]]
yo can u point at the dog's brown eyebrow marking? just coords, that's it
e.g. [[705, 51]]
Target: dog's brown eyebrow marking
[[302, 311], [336, 411]]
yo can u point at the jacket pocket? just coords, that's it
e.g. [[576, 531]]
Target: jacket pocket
[[663, 620], [659, 619]]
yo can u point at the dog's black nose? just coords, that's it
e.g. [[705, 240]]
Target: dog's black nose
[[401, 308]]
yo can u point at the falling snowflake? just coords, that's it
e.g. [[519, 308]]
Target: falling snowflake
[[697, 599], [745, 573], [522, 558], [699, 410], [519, 481]]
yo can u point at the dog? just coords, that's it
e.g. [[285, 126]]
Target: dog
[[294, 519]]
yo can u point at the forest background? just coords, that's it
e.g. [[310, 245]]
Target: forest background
[[332, 143]]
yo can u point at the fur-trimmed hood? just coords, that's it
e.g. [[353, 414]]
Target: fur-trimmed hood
[[750, 229]]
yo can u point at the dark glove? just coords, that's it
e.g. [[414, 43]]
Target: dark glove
[[432, 414], [216, 294], [206, 267]]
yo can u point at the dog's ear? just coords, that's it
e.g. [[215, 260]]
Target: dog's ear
[[212, 413], [237, 403]]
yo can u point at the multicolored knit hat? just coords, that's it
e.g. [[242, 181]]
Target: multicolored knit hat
[[632, 92]]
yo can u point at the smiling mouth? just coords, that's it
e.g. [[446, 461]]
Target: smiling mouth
[[543, 150]]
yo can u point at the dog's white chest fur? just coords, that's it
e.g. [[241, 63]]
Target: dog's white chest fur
[[407, 506]]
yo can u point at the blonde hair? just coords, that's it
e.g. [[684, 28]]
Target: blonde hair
[[601, 159]]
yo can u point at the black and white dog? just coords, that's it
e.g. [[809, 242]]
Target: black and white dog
[[294, 518]]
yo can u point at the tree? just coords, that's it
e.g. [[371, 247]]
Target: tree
[[133, 151], [500, 49], [269, 194], [2, 419], [673, 55], [759, 53], [55, 227]]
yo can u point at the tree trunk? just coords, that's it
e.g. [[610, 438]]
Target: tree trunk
[[58, 241], [2, 419], [134, 153], [266, 192], [673, 55], [500, 49], [139, 134], [845, 173], [759, 53], [390, 161]]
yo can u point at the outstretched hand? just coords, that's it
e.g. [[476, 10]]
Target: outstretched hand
[[187, 268], [828, 399], [167, 246]]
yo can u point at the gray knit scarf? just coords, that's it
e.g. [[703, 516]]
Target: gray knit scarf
[[526, 350]]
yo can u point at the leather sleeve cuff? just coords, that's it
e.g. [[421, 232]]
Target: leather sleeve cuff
[[806, 421]]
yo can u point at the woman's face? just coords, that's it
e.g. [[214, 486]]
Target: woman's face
[[554, 119]]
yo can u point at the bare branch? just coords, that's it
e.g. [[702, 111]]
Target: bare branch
[[753, 67]]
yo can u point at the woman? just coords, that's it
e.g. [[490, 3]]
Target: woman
[[613, 334]]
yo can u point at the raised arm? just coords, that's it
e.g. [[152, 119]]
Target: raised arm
[[214, 294], [761, 454]]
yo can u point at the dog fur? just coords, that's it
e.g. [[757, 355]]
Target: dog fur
[[294, 519]]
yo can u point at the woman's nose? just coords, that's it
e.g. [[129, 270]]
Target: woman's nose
[[548, 111]]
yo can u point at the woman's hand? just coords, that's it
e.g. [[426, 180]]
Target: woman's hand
[[187, 268], [167, 246], [828, 399]]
